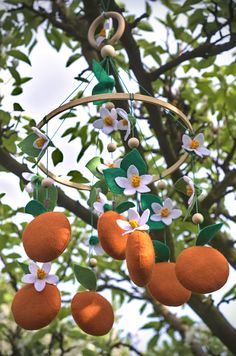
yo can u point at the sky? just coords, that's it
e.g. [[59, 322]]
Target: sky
[[51, 84]]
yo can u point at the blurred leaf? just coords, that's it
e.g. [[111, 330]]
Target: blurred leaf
[[72, 59], [57, 156], [19, 55], [17, 107], [77, 177]]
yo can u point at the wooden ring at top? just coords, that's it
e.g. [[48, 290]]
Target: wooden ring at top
[[114, 97], [98, 21]]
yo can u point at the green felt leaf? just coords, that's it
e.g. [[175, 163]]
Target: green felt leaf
[[162, 251], [207, 233], [110, 174], [124, 206], [134, 158], [146, 203], [24, 267], [26, 146], [86, 277], [92, 166], [102, 88], [132, 120], [107, 207], [47, 196], [99, 72], [35, 208], [93, 241]]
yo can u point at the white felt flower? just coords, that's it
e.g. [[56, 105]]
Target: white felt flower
[[190, 189], [99, 204], [165, 213], [40, 276], [134, 182], [104, 33], [109, 164], [195, 144], [135, 221], [29, 188], [108, 121], [95, 247], [124, 124], [42, 141]]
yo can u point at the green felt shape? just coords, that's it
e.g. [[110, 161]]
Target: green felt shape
[[103, 88], [86, 277], [132, 120], [181, 185], [37, 179], [134, 158], [207, 233], [107, 207], [122, 207], [146, 203], [110, 174], [99, 72], [93, 241], [24, 267], [162, 251], [26, 146], [47, 196], [190, 208], [35, 208], [92, 166]]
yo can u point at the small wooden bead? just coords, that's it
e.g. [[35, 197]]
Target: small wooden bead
[[108, 51], [109, 105], [111, 147], [197, 218], [92, 262], [161, 184], [133, 142], [47, 182]]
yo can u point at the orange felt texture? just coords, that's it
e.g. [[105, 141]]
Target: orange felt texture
[[165, 287], [33, 310], [202, 269], [140, 257], [110, 235], [47, 236], [92, 313]]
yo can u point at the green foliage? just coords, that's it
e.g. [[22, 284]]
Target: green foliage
[[85, 277]]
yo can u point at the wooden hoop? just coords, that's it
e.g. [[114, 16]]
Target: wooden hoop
[[98, 21], [111, 97]]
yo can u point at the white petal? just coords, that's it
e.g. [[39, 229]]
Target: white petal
[[28, 278], [168, 204], [128, 231], [146, 179], [108, 24], [133, 214], [103, 198], [121, 126], [156, 217], [47, 267], [39, 284], [33, 267], [101, 167], [204, 151], [200, 138], [197, 152], [175, 213], [156, 207], [104, 112], [27, 175], [143, 227], [117, 163], [98, 124], [45, 145], [35, 145], [122, 113], [29, 188], [122, 182], [187, 179], [123, 224], [108, 129], [186, 141], [144, 217], [36, 131], [51, 279], [114, 114], [98, 250], [167, 220], [130, 191], [100, 39], [132, 171], [127, 132], [191, 199], [99, 207], [143, 189]]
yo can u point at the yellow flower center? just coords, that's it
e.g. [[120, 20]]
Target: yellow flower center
[[189, 190], [165, 212], [102, 33], [194, 144], [125, 122], [134, 223], [110, 165], [41, 274], [108, 121], [135, 181], [40, 142]]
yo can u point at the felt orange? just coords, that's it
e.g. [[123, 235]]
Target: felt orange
[[92, 313], [165, 287], [202, 269], [140, 257], [110, 235], [33, 310], [47, 236]]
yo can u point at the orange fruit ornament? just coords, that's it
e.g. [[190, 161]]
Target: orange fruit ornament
[[165, 287], [92, 313], [46, 236], [110, 235], [33, 310], [140, 257], [202, 269]]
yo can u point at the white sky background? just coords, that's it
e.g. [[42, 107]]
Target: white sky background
[[51, 84]]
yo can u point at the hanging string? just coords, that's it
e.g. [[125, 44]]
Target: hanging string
[[195, 194]]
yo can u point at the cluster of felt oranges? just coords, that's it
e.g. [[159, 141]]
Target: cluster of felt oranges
[[44, 239], [198, 269]]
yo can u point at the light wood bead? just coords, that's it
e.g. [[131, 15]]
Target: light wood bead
[[197, 218], [111, 147], [47, 182], [133, 142], [108, 51], [161, 184], [93, 262], [109, 105]]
